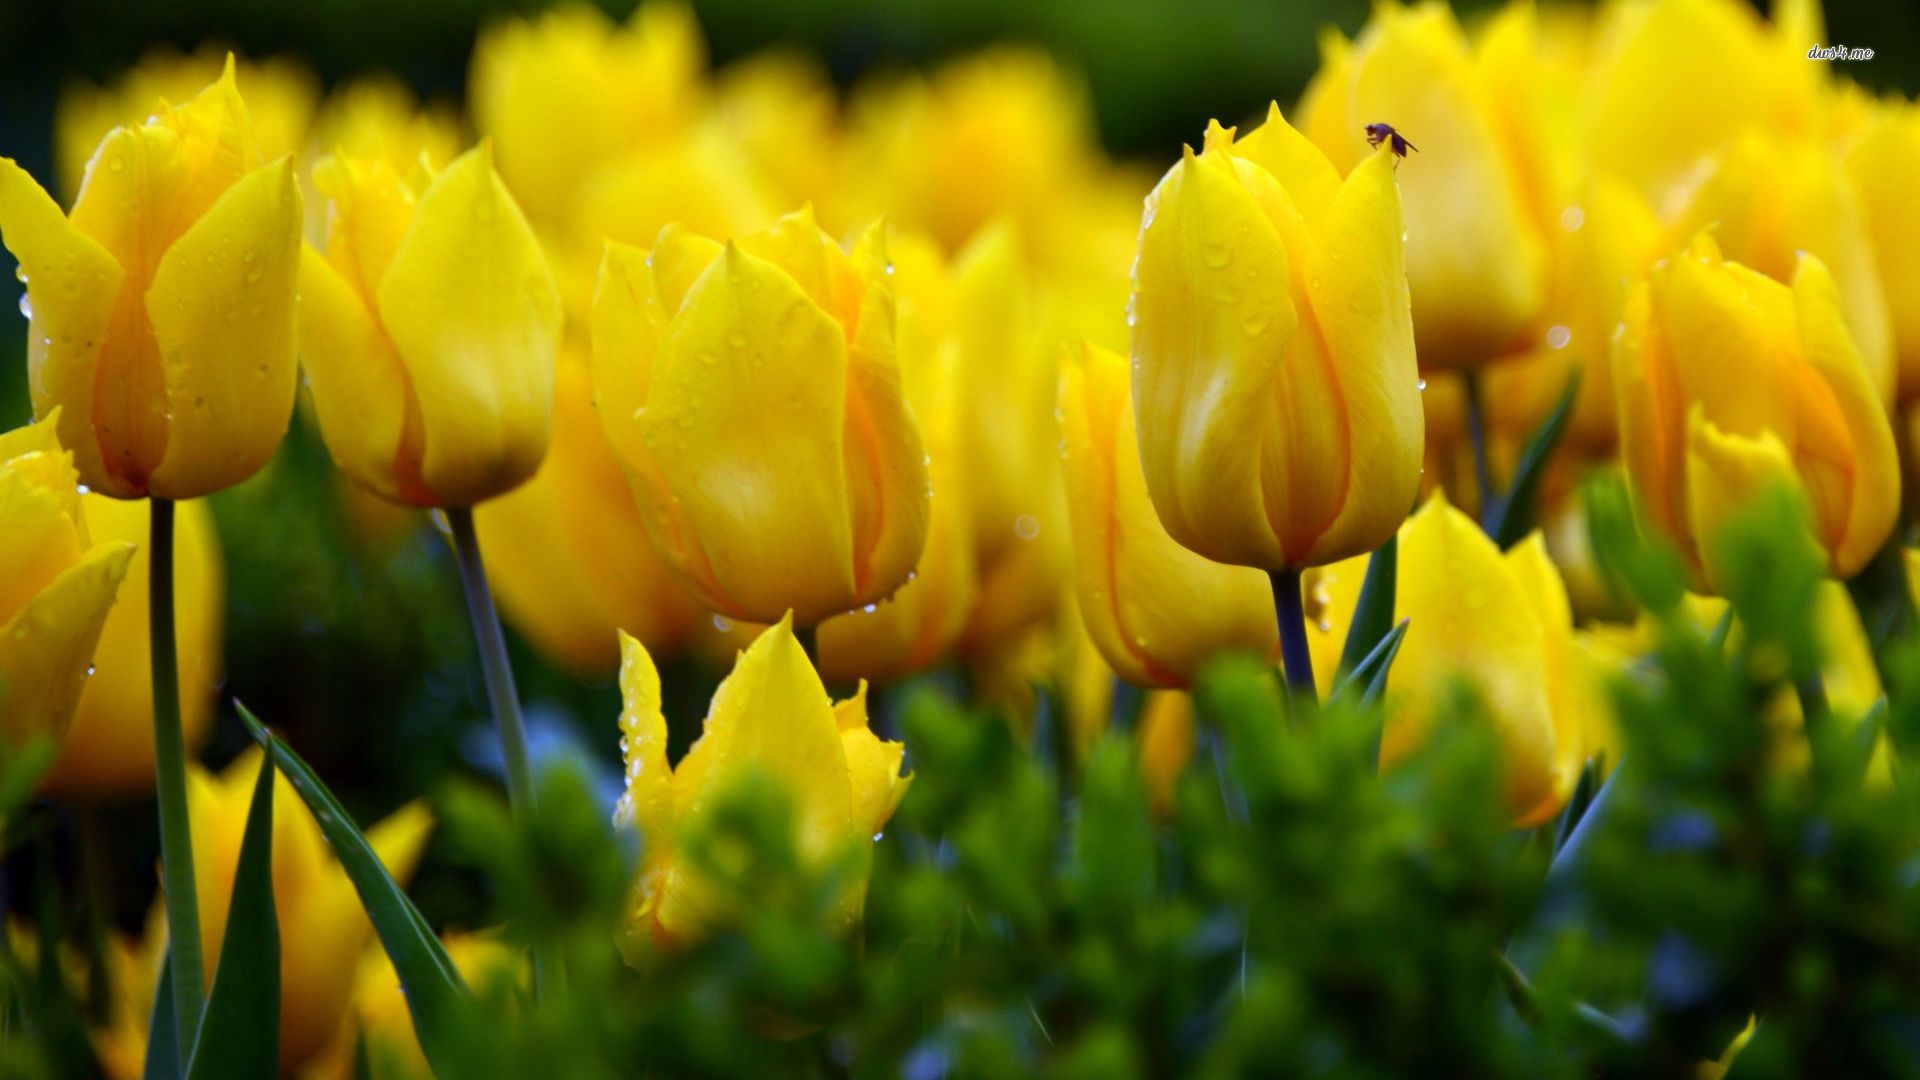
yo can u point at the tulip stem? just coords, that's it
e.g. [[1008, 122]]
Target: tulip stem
[[1477, 435], [498, 672], [1293, 631], [185, 969]]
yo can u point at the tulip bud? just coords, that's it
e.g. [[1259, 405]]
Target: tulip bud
[[1730, 383], [1166, 746], [1274, 372], [1882, 162], [1157, 611], [1475, 258], [771, 718], [753, 395], [429, 330], [56, 587], [162, 311], [109, 750]]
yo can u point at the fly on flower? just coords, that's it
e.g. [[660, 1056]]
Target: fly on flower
[[1384, 133]]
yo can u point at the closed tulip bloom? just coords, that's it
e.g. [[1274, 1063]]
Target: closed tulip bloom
[[109, 751], [1731, 383], [1157, 611], [1882, 161], [1768, 201], [162, 309], [567, 555], [752, 392], [429, 330], [771, 719], [1274, 375], [56, 586], [1475, 254]]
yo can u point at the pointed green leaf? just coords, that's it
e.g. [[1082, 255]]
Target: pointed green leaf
[[434, 989], [240, 1030], [1512, 516], [163, 1054], [1373, 614], [1368, 678]]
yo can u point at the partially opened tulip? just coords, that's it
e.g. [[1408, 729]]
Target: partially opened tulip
[[1475, 253], [110, 751], [429, 330], [1731, 383], [753, 394], [771, 721], [1157, 611], [162, 309], [1280, 427], [56, 587]]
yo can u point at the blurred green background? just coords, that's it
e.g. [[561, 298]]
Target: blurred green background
[[364, 657]]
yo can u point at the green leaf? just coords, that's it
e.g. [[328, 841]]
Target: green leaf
[[240, 1031], [435, 992], [163, 1056], [1512, 516], [1368, 678], [1373, 614]]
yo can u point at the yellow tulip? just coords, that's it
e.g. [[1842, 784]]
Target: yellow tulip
[[110, 748], [771, 718], [280, 93], [429, 331], [1498, 621], [568, 92], [567, 555], [753, 394], [1768, 201], [921, 622], [1730, 383], [1475, 255], [1157, 611], [1880, 162], [782, 110], [323, 928], [162, 310], [1166, 746], [383, 1023], [1279, 427], [378, 116], [56, 587]]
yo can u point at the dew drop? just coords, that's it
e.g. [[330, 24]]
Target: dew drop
[[1572, 218], [1558, 336], [1026, 526], [84, 489], [26, 307], [89, 669], [877, 836], [1421, 385], [871, 608], [723, 624]]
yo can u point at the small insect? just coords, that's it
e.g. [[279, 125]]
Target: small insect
[[1384, 133]]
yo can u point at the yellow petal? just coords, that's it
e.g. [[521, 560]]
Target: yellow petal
[[360, 389], [873, 765], [46, 646], [1301, 167], [1725, 473], [40, 533], [1206, 353], [221, 306], [1357, 283], [1853, 525], [1156, 610], [1166, 745], [746, 415], [1546, 594], [643, 745], [475, 314], [71, 285]]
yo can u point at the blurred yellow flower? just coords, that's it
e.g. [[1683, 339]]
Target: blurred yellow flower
[[1157, 611], [162, 310], [1731, 383], [1475, 253], [1166, 746], [429, 331], [1882, 161], [56, 587], [280, 93], [382, 1024], [377, 116], [753, 393], [567, 555], [110, 748], [1279, 427], [771, 719]]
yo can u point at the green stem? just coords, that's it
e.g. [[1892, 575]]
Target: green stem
[[501, 695], [185, 969], [1477, 435], [1288, 605]]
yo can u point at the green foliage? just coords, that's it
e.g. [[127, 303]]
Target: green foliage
[[240, 1032]]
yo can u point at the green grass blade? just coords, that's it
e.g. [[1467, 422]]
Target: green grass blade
[[240, 1031]]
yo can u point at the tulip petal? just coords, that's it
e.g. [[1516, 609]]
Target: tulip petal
[[1716, 309], [71, 285], [1301, 167], [643, 743], [1207, 351], [1652, 439], [1725, 473], [40, 536], [1356, 282], [221, 307], [47, 645], [1867, 467], [361, 393], [873, 765], [679, 257], [474, 313], [746, 412], [1545, 592]]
